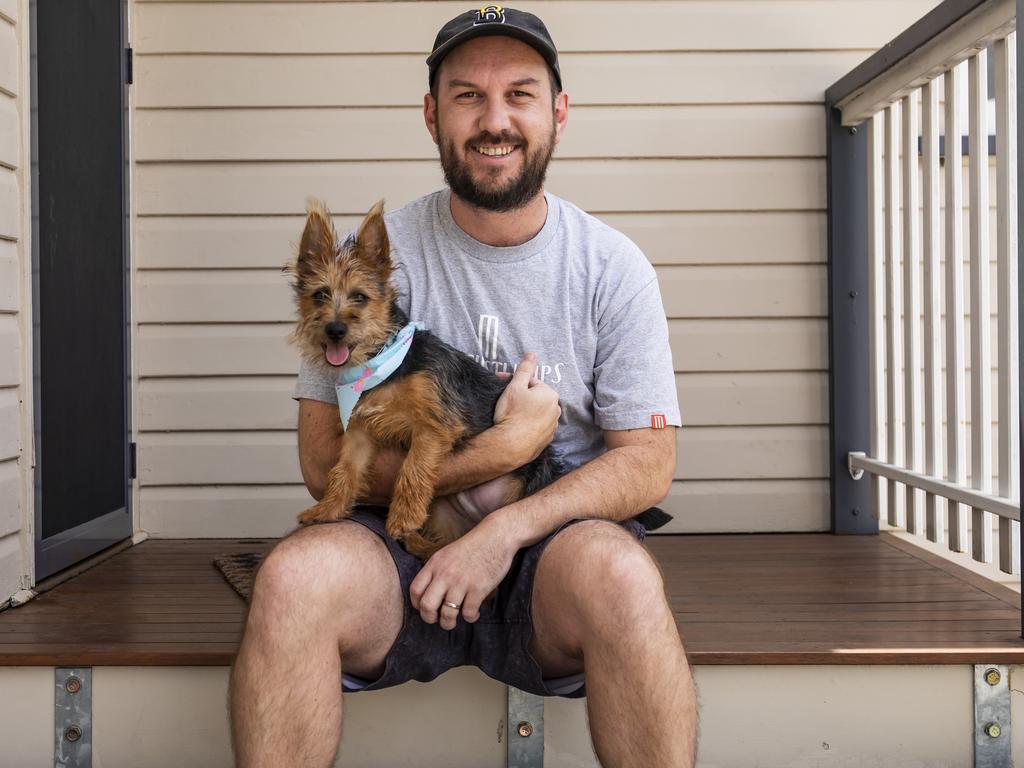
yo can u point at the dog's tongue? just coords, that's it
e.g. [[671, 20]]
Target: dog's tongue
[[337, 354]]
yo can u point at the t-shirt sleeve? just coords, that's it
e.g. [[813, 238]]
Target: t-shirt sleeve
[[634, 378], [315, 383]]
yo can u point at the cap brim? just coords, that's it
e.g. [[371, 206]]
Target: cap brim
[[493, 30]]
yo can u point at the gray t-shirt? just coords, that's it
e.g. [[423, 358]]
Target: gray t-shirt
[[579, 294]]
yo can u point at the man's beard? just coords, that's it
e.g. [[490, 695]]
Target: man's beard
[[515, 193]]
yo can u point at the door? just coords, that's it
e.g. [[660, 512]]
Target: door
[[80, 266]]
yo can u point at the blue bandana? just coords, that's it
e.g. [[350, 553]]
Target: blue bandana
[[355, 381]]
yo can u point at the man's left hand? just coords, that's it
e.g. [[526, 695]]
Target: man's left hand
[[464, 573]]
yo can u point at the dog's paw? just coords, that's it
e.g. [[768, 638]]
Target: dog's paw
[[322, 513]]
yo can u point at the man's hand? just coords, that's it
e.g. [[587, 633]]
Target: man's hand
[[464, 573], [527, 412]]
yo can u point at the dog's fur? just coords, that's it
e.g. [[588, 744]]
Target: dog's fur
[[431, 405]]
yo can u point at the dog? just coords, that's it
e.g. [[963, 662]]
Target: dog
[[433, 401]]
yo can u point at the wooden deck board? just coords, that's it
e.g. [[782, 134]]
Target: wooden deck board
[[738, 599]]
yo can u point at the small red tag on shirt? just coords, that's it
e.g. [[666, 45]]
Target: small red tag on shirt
[[658, 421]]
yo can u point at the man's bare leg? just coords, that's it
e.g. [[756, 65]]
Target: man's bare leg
[[599, 604], [327, 595]]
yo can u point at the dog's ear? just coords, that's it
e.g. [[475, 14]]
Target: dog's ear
[[319, 241], [372, 239]]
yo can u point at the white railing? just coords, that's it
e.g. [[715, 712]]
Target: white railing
[[919, 371]]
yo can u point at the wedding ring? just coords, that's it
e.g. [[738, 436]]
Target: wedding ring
[[451, 605]]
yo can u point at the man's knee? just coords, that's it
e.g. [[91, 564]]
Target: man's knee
[[327, 569], [613, 583]]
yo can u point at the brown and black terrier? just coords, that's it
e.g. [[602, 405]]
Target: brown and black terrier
[[436, 399]]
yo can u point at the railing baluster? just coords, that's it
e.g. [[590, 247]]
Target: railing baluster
[[876, 319], [956, 398], [981, 353], [1006, 255], [911, 309], [893, 304], [932, 321]]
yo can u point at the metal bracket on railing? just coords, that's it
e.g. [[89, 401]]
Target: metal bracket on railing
[[992, 716], [73, 717], [855, 472], [524, 728]]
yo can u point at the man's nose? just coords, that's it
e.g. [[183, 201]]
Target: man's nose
[[495, 118]]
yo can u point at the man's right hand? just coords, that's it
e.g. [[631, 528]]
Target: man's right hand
[[527, 412]]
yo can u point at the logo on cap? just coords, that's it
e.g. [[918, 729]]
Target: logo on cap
[[490, 14]]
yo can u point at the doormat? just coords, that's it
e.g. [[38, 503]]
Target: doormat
[[239, 570]]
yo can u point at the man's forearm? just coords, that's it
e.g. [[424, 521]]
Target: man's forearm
[[483, 458], [617, 485]]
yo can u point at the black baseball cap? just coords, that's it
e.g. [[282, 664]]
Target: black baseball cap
[[494, 20]]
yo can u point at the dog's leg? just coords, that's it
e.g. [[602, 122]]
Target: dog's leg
[[348, 479], [414, 487]]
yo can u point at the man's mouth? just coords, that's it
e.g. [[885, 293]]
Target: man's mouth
[[492, 150], [336, 354]]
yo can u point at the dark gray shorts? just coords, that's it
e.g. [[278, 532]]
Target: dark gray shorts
[[498, 642]]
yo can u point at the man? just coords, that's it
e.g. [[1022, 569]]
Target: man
[[508, 273]]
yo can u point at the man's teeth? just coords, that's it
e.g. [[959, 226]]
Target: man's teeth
[[494, 151]]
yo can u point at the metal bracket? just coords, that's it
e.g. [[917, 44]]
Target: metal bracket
[[524, 726], [992, 716], [855, 472], [73, 717]]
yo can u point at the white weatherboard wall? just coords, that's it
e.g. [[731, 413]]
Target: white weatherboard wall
[[696, 127], [770, 716], [15, 306]]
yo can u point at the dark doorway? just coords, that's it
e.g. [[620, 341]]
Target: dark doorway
[[80, 262]]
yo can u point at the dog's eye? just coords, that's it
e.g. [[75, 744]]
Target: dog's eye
[[321, 296], [358, 298]]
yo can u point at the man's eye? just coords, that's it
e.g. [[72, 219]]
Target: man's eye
[[466, 95], [321, 296], [358, 298], [521, 94]]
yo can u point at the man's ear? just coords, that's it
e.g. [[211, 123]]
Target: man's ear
[[430, 115], [372, 239], [561, 114]]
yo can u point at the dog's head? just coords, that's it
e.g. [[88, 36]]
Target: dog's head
[[343, 290]]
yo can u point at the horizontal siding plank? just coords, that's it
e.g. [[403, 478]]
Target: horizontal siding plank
[[740, 345], [575, 26], [399, 80], [741, 506], [9, 8], [10, 351], [10, 132], [593, 185], [749, 453], [10, 424], [747, 506], [233, 296], [265, 403], [398, 134], [10, 50], [236, 242], [10, 497], [790, 344], [10, 277], [10, 205], [259, 458], [221, 512]]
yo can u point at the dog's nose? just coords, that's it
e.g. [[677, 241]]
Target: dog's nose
[[336, 331]]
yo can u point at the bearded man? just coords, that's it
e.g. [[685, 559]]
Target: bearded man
[[530, 285]]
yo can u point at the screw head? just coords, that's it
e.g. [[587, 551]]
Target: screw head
[[72, 733], [993, 730], [992, 676], [855, 511], [853, 131], [525, 729], [72, 685]]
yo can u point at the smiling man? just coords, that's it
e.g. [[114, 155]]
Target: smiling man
[[531, 286]]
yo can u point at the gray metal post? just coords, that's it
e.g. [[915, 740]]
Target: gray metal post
[[849, 414]]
